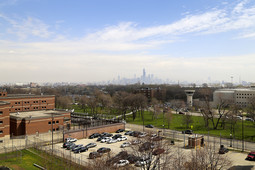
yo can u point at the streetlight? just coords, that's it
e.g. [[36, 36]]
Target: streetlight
[[230, 140]]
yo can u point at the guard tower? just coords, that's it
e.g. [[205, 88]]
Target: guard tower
[[189, 94]]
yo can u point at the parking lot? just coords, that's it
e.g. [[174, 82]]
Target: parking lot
[[115, 147], [237, 158]]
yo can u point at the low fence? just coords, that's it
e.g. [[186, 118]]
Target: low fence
[[209, 140]]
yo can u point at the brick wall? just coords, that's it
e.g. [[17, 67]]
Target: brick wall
[[4, 120], [43, 125], [30, 103], [83, 133]]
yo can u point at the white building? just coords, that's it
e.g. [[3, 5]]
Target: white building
[[240, 97]]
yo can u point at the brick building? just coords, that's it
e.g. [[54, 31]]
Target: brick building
[[158, 93], [4, 120], [33, 122], [22, 114]]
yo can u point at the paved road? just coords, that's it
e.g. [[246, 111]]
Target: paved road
[[236, 144]]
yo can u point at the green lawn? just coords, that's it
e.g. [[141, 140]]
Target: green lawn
[[198, 126], [14, 160]]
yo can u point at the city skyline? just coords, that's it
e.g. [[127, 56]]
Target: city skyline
[[97, 41]]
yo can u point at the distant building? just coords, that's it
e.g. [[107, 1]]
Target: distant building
[[240, 97], [158, 93], [22, 114]]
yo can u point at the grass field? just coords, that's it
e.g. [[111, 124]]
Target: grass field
[[198, 126], [25, 159]]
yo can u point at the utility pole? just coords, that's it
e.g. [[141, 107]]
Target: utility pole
[[52, 132]]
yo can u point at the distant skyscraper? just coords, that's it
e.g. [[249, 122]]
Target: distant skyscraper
[[144, 74]]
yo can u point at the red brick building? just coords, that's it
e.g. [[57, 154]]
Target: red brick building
[[22, 114], [32, 122], [4, 120]]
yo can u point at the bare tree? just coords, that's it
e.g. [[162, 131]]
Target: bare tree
[[187, 119], [251, 109], [63, 102], [168, 116], [207, 158]]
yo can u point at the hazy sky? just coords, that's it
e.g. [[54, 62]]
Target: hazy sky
[[97, 40]]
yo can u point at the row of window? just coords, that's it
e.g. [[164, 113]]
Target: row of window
[[248, 94], [54, 129], [2, 94], [27, 108], [243, 97], [27, 102], [53, 122]]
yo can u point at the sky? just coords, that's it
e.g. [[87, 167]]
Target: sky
[[98, 40]]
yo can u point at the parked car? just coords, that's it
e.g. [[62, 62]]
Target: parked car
[[112, 141], [120, 156], [181, 113], [94, 135], [77, 147], [120, 130], [125, 144], [251, 156], [135, 142], [122, 138], [116, 136], [142, 162], [93, 155], [103, 150], [142, 134], [70, 139], [149, 126], [249, 119], [121, 163], [69, 147], [106, 139], [66, 144], [82, 149], [128, 132], [91, 145], [105, 134], [223, 150], [187, 132], [135, 133]]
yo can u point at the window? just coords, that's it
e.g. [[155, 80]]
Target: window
[[57, 121], [1, 112], [16, 103], [49, 123], [53, 122], [1, 122], [1, 132], [57, 129]]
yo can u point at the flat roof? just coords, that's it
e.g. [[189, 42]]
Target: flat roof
[[3, 103], [37, 114], [243, 89], [10, 96]]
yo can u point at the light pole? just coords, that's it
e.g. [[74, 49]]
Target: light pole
[[52, 133], [230, 140]]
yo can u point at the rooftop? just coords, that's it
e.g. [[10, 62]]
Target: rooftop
[[3, 103], [37, 114], [9, 96]]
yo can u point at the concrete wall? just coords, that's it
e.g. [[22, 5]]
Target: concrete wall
[[84, 133]]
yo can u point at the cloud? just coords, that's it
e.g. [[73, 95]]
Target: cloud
[[27, 27]]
